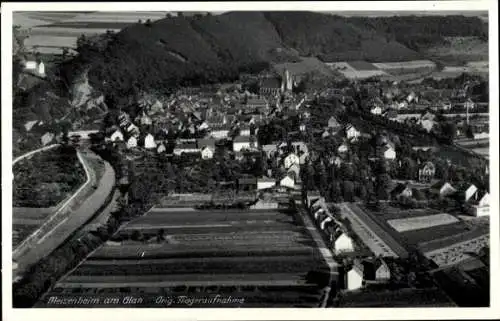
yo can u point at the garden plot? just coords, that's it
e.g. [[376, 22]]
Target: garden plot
[[415, 223]]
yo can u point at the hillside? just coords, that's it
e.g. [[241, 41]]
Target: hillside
[[423, 32], [334, 38], [192, 50], [175, 51]]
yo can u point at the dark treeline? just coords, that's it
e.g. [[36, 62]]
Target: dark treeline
[[419, 32]]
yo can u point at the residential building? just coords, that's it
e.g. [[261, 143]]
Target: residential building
[[470, 192], [480, 204], [161, 148], [352, 133], [116, 136], [287, 181], [443, 189], [426, 172], [247, 184], [244, 142], [207, 152], [334, 124], [188, 148], [355, 277], [47, 138], [343, 148], [265, 182], [132, 142], [270, 86], [376, 110], [342, 242], [269, 149], [401, 190], [389, 151], [383, 272], [149, 142], [290, 160], [220, 132], [295, 169]]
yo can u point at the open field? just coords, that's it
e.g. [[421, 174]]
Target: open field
[[357, 69], [460, 50], [411, 235], [237, 252], [413, 64], [416, 223], [52, 31]]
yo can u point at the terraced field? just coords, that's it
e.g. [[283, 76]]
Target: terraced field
[[262, 256]]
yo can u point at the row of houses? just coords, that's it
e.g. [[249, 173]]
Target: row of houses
[[364, 269]]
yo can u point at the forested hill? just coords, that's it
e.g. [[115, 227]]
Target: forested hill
[[182, 50], [420, 32]]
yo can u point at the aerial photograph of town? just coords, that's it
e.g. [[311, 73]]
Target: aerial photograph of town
[[250, 159]]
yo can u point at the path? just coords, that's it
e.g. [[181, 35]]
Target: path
[[71, 220], [320, 244], [60, 212], [28, 154]]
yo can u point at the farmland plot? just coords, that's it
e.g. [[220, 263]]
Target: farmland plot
[[415, 223]]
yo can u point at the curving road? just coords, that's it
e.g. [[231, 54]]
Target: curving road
[[69, 220], [28, 154]]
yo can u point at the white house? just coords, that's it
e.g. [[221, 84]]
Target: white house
[[245, 131], [265, 182], [220, 133], [149, 142], [343, 148], [402, 105], [302, 127], [352, 133], [482, 135], [427, 124], [389, 152], [343, 243], [132, 142], [203, 126], [324, 222], [333, 123], [161, 149], [443, 188], [116, 136], [383, 272], [29, 125], [36, 67], [376, 110], [354, 278], [243, 142], [319, 212], [145, 119], [303, 158], [295, 169], [47, 138], [207, 152], [291, 159], [481, 205], [287, 181], [470, 192]]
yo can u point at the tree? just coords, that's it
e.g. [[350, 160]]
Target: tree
[[348, 191], [469, 133]]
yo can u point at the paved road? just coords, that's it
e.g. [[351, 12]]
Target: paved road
[[379, 241], [28, 154], [61, 211], [73, 220]]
